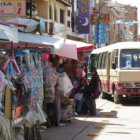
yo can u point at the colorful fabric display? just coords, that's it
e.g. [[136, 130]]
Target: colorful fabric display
[[33, 78], [6, 62], [3, 83], [50, 79], [46, 57], [11, 68]]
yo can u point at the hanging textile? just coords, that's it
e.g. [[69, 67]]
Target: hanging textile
[[33, 77], [8, 103], [50, 79]]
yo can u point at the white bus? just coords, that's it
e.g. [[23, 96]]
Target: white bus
[[118, 66]]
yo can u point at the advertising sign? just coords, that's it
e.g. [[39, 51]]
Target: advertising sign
[[102, 33], [96, 33], [12, 8], [95, 17], [83, 16]]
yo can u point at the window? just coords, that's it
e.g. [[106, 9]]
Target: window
[[100, 61], [93, 61], [55, 14], [50, 12], [68, 23], [115, 58], [46, 29], [104, 60], [62, 14], [50, 28], [130, 58], [68, 13]]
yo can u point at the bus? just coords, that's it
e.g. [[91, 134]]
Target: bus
[[118, 66]]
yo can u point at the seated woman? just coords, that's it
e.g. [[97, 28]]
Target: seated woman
[[79, 95]]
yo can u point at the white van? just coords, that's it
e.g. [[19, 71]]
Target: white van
[[118, 66]]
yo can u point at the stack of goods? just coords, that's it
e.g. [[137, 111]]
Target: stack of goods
[[67, 106], [67, 109]]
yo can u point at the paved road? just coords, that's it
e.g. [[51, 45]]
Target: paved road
[[113, 122]]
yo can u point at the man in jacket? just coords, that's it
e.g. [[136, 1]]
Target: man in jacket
[[93, 92]]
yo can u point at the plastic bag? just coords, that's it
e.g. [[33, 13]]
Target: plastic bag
[[42, 116], [9, 84], [65, 84], [31, 118], [19, 132]]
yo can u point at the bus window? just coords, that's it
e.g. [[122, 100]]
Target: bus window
[[93, 61], [115, 59], [100, 63], [130, 58], [104, 60]]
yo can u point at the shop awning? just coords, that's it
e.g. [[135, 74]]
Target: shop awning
[[40, 40], [81, 46], [70, 48], [68, 51]]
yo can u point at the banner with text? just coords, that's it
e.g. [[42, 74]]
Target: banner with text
[[83, 17], [12, 8], [94, 18]]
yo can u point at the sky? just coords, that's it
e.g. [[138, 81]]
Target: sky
[[133, 3]]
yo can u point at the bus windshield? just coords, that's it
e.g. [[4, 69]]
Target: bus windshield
[[130, 59], [93, 61]]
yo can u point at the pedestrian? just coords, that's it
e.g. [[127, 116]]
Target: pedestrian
[[93, 92], [79, 95]]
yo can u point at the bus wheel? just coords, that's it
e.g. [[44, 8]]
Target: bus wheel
[[117, 97]]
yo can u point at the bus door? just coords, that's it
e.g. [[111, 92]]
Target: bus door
[[113, 67], [104, 71], [108, 71]]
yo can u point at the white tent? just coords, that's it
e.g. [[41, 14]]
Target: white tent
[[68, 50]]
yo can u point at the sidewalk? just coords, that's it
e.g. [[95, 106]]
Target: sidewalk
[[79, 126], [113, 121]]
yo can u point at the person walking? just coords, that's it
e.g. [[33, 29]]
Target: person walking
[[93, 92]]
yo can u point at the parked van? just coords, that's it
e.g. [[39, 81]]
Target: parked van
[[118, 66]]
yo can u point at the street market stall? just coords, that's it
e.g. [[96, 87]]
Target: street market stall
[[22, 91], [30, 84]]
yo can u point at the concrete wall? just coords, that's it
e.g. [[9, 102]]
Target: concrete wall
[[131, 15], [43, 11]]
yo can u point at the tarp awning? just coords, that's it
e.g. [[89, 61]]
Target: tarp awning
[[36, 39], [68, 51], [81, 46]]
